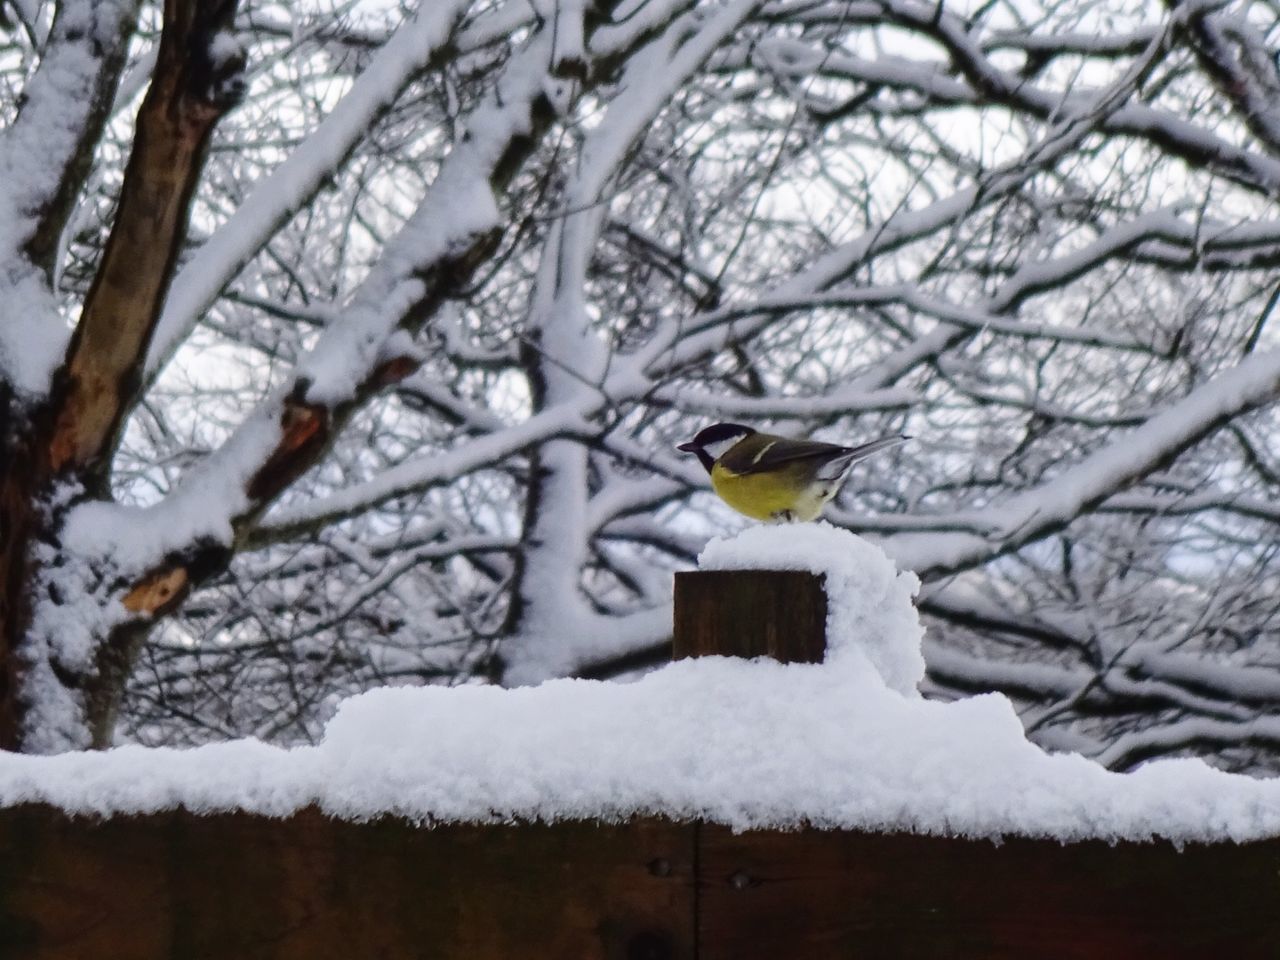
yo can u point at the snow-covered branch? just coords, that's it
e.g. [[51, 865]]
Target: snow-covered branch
[[1040, 511], [45, 156], [299, 177]]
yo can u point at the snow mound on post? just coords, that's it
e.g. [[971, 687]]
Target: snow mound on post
[[747, 743], [871, 621]]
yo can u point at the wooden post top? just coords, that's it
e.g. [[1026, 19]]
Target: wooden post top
[[751, 613]]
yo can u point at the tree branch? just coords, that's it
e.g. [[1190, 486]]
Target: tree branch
[[197, 79]]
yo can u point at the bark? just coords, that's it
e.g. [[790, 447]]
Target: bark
[[19, 522], [99, 384]]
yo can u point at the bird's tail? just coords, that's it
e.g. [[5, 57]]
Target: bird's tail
[[866, 449], [839, 465]]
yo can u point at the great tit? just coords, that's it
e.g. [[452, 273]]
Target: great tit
[[774, 478]]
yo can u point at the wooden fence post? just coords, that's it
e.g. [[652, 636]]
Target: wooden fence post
[[751, 613]]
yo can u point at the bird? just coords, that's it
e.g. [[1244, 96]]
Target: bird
[[768, 477]]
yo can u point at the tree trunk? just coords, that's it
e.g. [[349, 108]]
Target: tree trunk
[[58, 451]]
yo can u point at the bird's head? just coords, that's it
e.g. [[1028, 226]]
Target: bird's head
[[711, 443]]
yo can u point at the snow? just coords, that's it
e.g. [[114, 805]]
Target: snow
[[33, 337], [847, 743], [71, 612], [871, 622], [199, 511], [223, 48], [103, 545], [34, 151]]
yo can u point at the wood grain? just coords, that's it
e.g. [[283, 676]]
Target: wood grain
[[817, 895], [750, 613], [240, 887], [181, 886]]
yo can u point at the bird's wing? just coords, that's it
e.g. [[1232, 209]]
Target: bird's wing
[[780, 451]]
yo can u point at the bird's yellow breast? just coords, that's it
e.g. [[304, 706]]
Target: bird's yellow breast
[[788, 493]]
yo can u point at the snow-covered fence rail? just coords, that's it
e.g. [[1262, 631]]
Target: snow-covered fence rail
[[719, 808]]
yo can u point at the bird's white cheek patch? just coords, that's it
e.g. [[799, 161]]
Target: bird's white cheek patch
[[720, 447]]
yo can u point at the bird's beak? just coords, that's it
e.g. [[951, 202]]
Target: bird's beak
[[688, 446]]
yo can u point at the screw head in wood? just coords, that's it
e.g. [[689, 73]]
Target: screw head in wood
[[660, 867]]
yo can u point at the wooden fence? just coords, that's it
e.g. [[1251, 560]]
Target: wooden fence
[[176, 885]]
